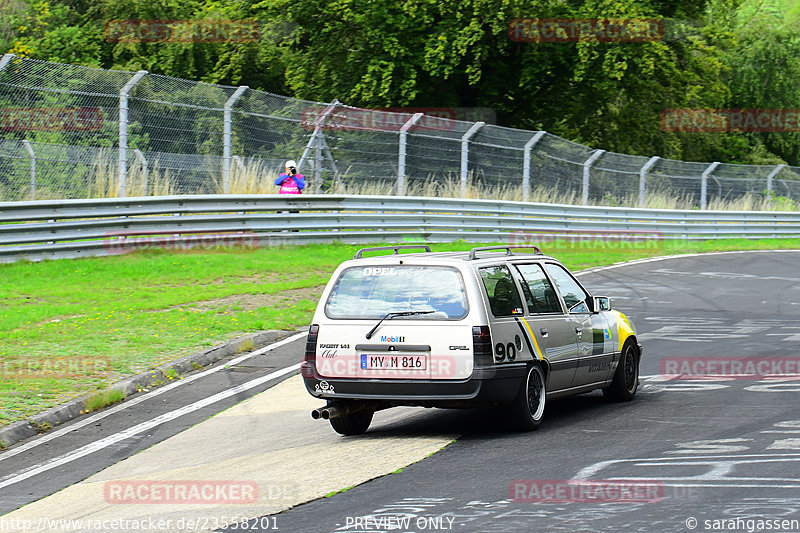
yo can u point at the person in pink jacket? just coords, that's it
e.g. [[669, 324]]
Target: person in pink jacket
[[290, 181]]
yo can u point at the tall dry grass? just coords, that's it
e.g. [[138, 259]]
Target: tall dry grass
[[104, 179], [256, 177], [451, 188]]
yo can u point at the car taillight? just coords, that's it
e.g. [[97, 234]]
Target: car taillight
[[482, 346], [308, 366]]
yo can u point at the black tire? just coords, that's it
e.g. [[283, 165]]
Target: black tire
[[527, 411], [353, 423], [626, 378]]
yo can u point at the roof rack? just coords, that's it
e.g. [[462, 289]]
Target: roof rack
[[395, 248], [472, 253]]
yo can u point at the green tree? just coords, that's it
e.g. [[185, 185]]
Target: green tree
[[764, 72]]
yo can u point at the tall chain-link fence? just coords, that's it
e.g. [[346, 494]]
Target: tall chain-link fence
[[74, 132]]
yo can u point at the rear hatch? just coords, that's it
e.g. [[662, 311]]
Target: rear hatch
[[396, 322]]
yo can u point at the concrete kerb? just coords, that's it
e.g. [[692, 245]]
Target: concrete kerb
[[59, 414]]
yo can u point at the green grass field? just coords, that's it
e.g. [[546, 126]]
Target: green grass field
[[70, 327]]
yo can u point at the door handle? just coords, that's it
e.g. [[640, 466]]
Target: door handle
[[579, 331], [544, 332]]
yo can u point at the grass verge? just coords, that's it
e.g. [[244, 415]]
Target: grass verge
[[72, 327]]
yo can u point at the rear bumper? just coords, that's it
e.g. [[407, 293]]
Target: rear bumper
[[498, 383]]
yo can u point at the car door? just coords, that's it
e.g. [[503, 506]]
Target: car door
[[591, 329], [550, 325], [505, 307]]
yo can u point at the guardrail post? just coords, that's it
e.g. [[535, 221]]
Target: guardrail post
[[771, 176], [401, 157], [643, 180], [586, 166], [465, 155], [226, 138], [32, 155], [143, 162], [704, 184], [526, 164], [5, 60], [123, 131]]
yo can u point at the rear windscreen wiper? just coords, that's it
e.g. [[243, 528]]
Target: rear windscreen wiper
[[389, 316]]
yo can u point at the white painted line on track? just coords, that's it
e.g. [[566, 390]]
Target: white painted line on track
[[154, 393], [665, 257]]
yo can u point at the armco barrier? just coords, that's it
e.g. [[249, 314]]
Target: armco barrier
[[77, 228]]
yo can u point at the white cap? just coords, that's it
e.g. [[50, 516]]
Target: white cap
[[291, 163]]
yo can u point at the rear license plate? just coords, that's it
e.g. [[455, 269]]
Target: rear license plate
[[393, 362]]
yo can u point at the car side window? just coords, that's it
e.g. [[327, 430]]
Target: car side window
[[571, 292], [504, 298], [540, 295]]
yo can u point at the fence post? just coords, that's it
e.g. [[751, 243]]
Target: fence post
[[226, 138], [143, 162], [586, 166], [704, 184], [123, 131], [32, 155], [5, 60], [314, 141], [401, 157], [643, 180], [465, 154], [771, 176], [526, 164], [317, 165]]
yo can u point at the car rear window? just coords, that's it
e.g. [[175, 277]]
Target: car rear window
[[373, 291]]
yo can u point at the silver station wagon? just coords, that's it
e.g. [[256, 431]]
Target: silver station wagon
[[462, 329]]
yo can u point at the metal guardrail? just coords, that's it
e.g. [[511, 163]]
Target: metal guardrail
[[53, 229]]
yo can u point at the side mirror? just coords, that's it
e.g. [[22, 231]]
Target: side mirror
[[601, 303]]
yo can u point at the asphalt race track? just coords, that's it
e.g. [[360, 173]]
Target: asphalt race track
[[694, 452], [715, 449]]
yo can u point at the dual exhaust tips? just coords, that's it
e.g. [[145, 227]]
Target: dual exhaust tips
[[326, 413], [338, 409]]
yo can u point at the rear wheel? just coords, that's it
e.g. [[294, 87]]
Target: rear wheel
[[353, 423], [626, 378], [528, 408]]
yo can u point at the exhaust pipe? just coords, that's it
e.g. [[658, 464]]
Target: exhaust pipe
[[338, 409]]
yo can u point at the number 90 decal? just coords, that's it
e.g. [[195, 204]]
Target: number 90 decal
[[505, 351]]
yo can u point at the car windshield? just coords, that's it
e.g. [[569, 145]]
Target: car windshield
[[373, 291]]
